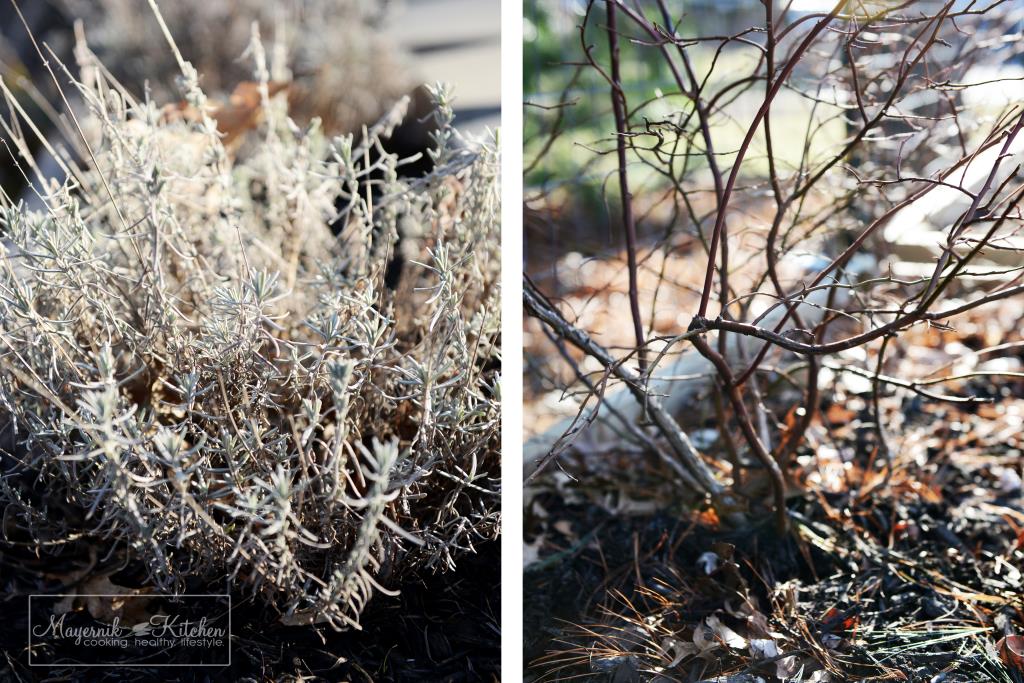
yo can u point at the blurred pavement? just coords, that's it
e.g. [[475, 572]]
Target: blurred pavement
[[456, 41]]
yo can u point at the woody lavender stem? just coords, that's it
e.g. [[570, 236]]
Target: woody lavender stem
[[536, 305], [732, 392], [716, 235], [619, 110]]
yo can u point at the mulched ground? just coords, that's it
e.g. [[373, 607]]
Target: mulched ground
[[914, 579], [908, 572]]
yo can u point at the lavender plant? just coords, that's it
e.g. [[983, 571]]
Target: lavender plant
[[199, 371]]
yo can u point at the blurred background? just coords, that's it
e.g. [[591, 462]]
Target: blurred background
[[345, 61], [568, 115], [456, 41]]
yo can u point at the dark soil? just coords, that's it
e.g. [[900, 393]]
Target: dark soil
[[445, 627]]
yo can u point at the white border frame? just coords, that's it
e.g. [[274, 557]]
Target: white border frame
[[512, 339]]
